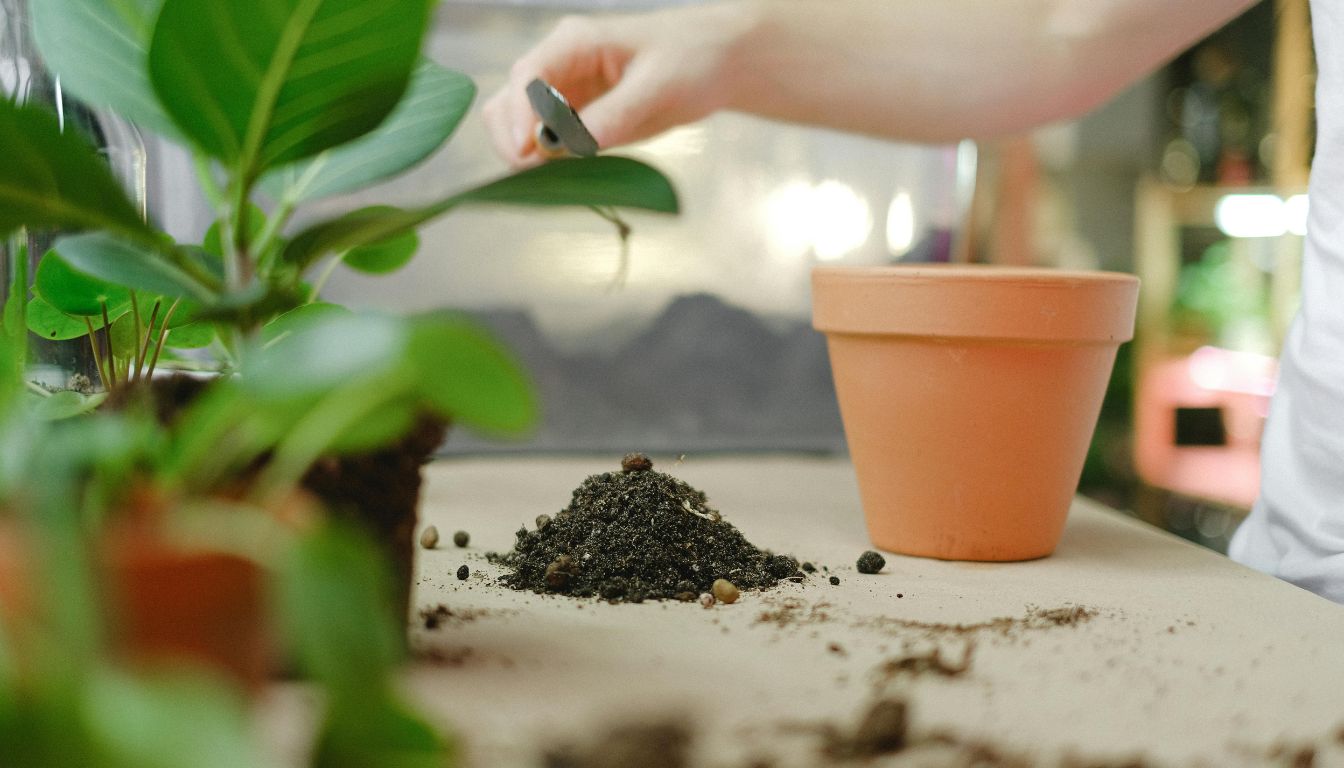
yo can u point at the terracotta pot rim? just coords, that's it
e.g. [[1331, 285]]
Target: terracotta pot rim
[[992, 273], [984, 302]]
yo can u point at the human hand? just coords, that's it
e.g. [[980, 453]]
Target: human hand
[[629, 77]]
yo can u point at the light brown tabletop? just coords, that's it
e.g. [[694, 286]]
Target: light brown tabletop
[[1126, 644]]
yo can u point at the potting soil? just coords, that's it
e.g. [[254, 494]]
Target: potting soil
[[638, 535]]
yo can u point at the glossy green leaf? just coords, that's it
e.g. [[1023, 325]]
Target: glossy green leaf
[[584, 181], [51, 323], [426, 117], [120, 262], [336, 611], [268, 82], [470, 377], [54, 180], [592, 181], [385, 257], [74, 292], [100, 49]]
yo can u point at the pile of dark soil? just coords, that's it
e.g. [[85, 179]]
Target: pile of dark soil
[[638, 535]]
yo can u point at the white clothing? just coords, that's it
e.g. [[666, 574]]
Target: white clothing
[[1296, 529]]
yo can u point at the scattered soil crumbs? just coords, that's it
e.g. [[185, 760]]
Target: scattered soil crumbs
[[925, 663], [647, 745], [638, 535], [440, 615], [794, 611], [1035, 619]]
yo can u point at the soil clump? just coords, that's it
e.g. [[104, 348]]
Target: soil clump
[[638, 535]]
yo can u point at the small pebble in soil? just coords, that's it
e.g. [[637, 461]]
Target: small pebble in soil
[[706, 600], [725, 591], [636, 462], [461, 538], [871, 562], [835, 580], [429, 538], [810, 568], [463, 573]]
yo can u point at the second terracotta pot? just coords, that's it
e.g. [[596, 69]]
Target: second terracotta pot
[[969, 395]]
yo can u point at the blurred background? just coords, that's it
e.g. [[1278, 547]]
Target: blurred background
[[698, 340]]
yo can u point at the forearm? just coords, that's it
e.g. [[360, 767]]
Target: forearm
[[949, 69]]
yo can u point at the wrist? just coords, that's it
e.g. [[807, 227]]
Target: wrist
[[740, 28]]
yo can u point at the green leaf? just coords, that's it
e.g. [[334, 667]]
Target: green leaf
[[390, 422], [387, 256], [378, 730], [15, 336], [192, 336], [325, 355], [178, 721], [100, 51], [51, 323], [426, 117], [589, 181], [298, 319], [336, 611], [67, 403], [120, 262], [586, 181], [124, 340], [74, 292], [470, 377], [257, 303], [268, 82], [54, 180]]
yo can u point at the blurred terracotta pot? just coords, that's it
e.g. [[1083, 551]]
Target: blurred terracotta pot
[[167, 603], [969, 395]]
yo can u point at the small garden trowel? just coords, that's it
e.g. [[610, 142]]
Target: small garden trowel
[[561, 132]]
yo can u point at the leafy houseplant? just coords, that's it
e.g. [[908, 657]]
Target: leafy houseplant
[[67, 693], [281, 102], [291, 100]]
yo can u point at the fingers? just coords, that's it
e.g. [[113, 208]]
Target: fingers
[[577, 58]]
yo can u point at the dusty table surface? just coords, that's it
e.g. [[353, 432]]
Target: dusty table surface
[[1164, 654]]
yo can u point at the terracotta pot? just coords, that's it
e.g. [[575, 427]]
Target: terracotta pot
[[165, 603], [969, 395]]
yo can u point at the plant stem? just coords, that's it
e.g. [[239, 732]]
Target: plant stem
[[110, 356], [208, 184], [149, 337], [163, 337], [267, 244], [327, 271], [97, 353], [623, 231], [134, 362]]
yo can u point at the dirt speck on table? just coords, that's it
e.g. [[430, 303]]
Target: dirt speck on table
[[648, 745]]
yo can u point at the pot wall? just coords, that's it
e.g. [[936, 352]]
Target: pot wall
[[967, 450]]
